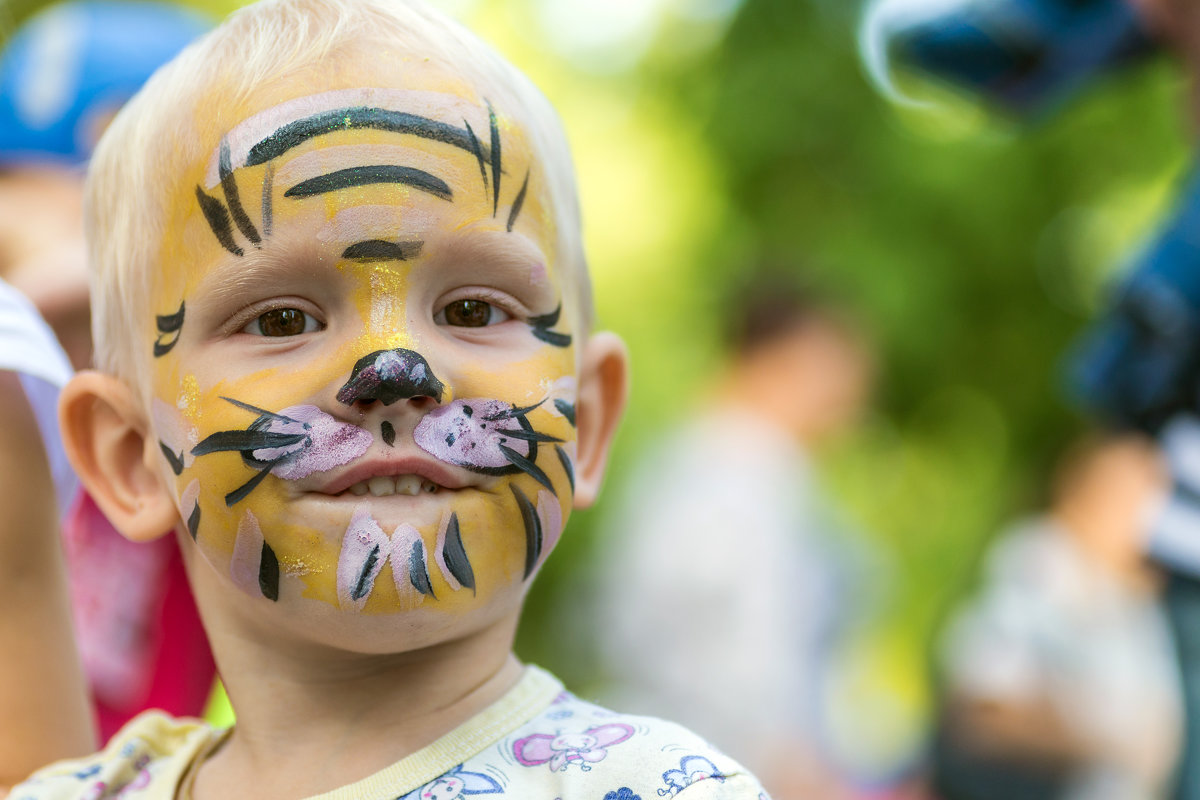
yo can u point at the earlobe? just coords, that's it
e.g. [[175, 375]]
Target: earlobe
[[107, 441], [603, 387]]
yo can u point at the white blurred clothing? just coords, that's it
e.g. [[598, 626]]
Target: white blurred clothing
[[718, 593], [1048, 624], [28, 347]]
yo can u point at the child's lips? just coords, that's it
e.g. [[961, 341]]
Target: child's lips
[[384, 475]]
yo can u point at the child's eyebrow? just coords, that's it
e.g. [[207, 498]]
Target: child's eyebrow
[[296, 133]]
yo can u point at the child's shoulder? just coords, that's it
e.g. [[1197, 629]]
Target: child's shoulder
[[575, 749], [147, 759], [539, 741]]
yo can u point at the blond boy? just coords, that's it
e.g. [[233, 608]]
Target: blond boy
[[342, 322]]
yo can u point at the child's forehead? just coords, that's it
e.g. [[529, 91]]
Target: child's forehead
[[279, 114]]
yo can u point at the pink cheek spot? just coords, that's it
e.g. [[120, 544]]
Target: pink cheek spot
[[330, 443], [537, 274], [461, 433]]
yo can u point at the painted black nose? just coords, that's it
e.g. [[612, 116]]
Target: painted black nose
[[388, 376]]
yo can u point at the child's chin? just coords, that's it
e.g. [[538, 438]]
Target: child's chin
[[382, 632]]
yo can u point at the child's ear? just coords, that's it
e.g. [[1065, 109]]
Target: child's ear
[[603, 385], [107, 441]]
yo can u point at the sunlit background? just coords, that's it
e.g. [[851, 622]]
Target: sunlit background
[[711, 135]]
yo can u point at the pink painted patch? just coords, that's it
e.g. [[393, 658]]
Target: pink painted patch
[[549, 512], [247, 555], [365, 549], [329, 443], [461, 433], [404, 539]]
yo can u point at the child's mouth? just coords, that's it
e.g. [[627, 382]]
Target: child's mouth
[[387, 485]]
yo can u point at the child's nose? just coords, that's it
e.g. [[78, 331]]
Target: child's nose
[[389, 376]]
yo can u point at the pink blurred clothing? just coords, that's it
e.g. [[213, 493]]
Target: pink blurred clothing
[[136, 623]]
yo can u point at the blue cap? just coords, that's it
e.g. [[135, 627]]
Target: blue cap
[[67, 70]]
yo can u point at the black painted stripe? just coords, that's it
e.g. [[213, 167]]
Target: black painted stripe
[[224, 441], [477, 149], [381, 250], [169, 323], [217, 217], [268, 573], [300, 131], [418, 573], [525, 465], [456, 555], [533, 530], [366, 175], [175, 461], [268, 203], [567, 466], [363, 587], [566, 409], [517, 203], [193, 521], [494, 124], [233, 197]]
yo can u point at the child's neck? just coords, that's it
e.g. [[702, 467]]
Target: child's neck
[[309, 725]]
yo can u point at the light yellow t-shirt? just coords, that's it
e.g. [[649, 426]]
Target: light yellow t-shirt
[[538, 742]]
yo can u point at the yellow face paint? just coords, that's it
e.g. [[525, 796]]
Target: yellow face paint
[[363, 370]]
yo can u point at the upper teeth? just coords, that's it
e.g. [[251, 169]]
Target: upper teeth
[[385, 485]]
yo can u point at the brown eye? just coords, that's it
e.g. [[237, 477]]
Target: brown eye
[[283, 322], [468, 313]]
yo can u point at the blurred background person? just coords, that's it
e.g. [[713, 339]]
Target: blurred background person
[[726, 567], [1059, 672], [63, 75]]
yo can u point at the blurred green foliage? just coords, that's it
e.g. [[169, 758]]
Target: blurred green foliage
[[972, 248]]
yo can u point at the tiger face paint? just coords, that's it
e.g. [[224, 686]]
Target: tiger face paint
[[363, 367]]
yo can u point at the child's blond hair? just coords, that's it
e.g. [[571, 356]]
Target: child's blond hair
[[130, 178]]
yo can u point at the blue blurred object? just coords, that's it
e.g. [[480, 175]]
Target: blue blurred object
[[67, 70], [1140, 364], [1025, 55]]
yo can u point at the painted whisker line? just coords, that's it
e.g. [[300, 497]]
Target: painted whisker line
[[533, 530], [531, 436], [364, 176], [263, 412], [382, 250], [166, 325], [494, 124], [567, 466], [517, 203], [296, 133], [225, 441], [514, 412], [233, 198], [217, 217], [240, 493], [527, 466], [477, 149]]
